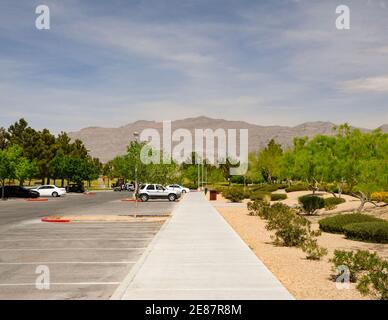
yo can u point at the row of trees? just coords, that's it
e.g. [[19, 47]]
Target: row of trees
[[351, 160], [30, 154], [130, 167]]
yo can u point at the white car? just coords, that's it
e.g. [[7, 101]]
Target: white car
[[50, 191], [157, 191], [177, 187]]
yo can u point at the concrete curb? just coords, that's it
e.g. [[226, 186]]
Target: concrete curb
[[54, 220]]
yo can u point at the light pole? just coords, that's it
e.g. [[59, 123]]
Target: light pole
[[136, 136]]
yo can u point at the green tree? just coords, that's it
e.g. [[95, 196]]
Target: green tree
[[268, 161], [3, 139]]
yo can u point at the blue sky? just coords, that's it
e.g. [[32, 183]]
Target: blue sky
[[108, 63]]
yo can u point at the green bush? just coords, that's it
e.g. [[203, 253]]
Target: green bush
[[332, 202], [278, 196], [336, 224], [375, 282], [259, 208], [310, 203], [268, 187], [376, 231], [290, 229], [259, 195], [356, 262], [297, 187], [234, 194], [314, 252]]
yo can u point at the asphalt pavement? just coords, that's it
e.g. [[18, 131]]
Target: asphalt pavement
[[85, 260]]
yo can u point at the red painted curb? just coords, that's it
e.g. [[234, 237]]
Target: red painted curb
[[89, 193], [131, 200], [54, 220], [37, 200]]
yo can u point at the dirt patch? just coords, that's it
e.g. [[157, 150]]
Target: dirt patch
[[107, 218], [305, 279]]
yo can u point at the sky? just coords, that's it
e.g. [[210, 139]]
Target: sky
[[109, 63]]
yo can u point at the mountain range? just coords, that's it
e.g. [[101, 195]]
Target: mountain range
[[106, 143]]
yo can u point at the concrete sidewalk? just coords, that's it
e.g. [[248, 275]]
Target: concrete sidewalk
[[197, 255]]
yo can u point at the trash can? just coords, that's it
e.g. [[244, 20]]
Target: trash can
[[213, 195]]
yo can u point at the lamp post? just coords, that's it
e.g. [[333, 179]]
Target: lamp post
[[136, 136]]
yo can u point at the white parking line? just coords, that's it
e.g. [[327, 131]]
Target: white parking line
[[67, 249], [75, 239], [60, 284], [67, 262]]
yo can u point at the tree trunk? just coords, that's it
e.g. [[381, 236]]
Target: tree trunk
[[42, 180], [62, 183], [48, 180], [2, 189]]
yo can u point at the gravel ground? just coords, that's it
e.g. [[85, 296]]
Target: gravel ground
[[305, 279]]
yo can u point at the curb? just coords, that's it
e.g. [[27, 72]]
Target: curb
[[89, 193], [55, 220], [130, 200], [37, 200]]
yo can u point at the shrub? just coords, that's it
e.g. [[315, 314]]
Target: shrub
[[268, 187], [310, 203], [332, 202], [290, 229], [297, 187], [234, 194], [278, 196], [376, 231], [259, 208], [380, 196], [336, 224], [314, 252], [356, 262], [375, 282], [260, 195]]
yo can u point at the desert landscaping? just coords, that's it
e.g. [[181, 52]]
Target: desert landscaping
[[304, 278]]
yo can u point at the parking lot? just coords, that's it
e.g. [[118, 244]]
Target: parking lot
[[86, 260]]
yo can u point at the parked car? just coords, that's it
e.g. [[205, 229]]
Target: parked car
[[50, 191], [75, 187], [130, 186], [157, 191], [178, 187], [19, 192], [124, 187]]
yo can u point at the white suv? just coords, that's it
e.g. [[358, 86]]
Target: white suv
[[50, 191], [157, 191]]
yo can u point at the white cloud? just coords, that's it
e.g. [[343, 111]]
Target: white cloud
[[376, 84]]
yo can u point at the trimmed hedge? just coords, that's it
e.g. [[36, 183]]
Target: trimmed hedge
[[376, 231], [234, 194], [278, 196], [311, 203], [259, 195], [337, 223], [268, 187], [332, 202], [297, 187]]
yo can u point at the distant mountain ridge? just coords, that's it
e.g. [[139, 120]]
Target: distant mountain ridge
[[106, 143]]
